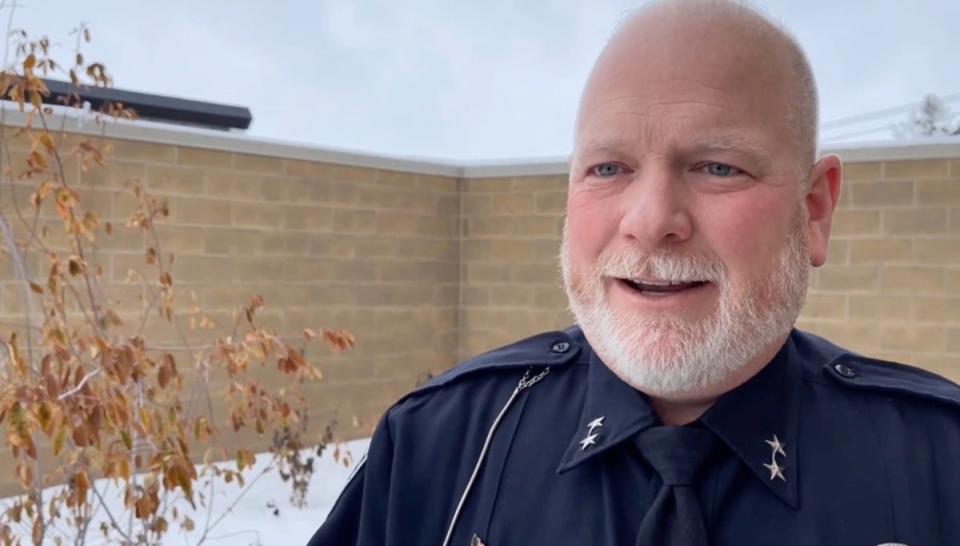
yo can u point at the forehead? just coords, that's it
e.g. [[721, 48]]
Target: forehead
[[678, 116], [687, 79]]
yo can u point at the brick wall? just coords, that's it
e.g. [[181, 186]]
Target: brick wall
[[510, 240], [891, 287], [427, 270], [370, 250]]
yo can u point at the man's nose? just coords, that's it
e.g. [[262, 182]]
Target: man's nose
[[654, 209]]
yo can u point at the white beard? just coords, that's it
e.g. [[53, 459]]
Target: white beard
[[668, 356]]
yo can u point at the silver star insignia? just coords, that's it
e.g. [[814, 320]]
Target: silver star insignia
[[596, 423], [777, 446], [590, 440], [775, 470]]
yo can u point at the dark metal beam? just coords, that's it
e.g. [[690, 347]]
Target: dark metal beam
[[156, 107]]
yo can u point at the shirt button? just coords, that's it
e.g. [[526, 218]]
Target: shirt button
[[845, 371], [560, 347]]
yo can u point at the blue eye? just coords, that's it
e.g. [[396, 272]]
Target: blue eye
[[721, 169], [606, 170]]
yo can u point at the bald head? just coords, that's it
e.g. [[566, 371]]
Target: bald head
[[725, 44]]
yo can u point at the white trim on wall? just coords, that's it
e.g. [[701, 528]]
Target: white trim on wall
[[227, 141], [80, 122]]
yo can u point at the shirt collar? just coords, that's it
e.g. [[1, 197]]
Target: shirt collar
[[759, 421], [751, 419], [617, 411]]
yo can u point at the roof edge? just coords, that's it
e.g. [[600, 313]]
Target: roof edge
[[83, 122], [896, 150]]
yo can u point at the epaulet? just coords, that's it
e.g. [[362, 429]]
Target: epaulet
[[548, 349], [864, 373]]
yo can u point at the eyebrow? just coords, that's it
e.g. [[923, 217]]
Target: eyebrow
[[736, 145]]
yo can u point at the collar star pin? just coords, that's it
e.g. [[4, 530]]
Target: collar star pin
[[596, 423], [776, 471], [591, 438], [777, 447]]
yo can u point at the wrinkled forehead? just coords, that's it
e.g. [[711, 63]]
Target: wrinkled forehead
[[725, 63]]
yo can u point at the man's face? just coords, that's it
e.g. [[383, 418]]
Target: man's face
[[685, 248]]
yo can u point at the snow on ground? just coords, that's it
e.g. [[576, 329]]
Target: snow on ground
[[252, 521]]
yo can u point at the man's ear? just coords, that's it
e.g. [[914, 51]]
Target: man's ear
[[821, 199]]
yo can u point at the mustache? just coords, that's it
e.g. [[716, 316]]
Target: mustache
[[663, 265]]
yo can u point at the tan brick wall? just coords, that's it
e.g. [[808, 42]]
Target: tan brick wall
[[369, 250], [510, 239], [891, 287], [886, 288], [427, 270]]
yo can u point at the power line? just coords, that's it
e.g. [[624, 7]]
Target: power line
[[888, 127], [877, 114]]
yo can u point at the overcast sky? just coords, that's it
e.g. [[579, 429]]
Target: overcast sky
[[460, 79]]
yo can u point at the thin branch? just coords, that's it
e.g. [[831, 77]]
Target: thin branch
[[113, 520], [236, 501], [80, 385], [133, 479], [23, 276], [237, 533], [6, 44], [76, 236]]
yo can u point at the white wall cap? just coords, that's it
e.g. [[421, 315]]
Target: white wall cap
[[944, 147], [82, 122], [496, 168]]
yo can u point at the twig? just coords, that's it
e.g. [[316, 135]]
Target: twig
[[80, 385], [133, 479], [76, 236], [113, 520], [236, 500], [23, 276], [185, 348], [6, 44], [7, 354], [228, 535]]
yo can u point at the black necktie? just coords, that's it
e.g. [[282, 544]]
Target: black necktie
[[676, 453]]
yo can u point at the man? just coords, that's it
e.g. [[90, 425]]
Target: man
[[683, 409]]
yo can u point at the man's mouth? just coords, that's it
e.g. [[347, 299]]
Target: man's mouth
[[660, 287]]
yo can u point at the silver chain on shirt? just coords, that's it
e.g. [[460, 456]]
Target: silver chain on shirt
[[525, 383]]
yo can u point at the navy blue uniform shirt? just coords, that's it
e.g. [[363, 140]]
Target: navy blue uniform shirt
[[822, 447]]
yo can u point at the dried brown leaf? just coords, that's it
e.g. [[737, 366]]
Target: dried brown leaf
[[76, 265], [338, 340]]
